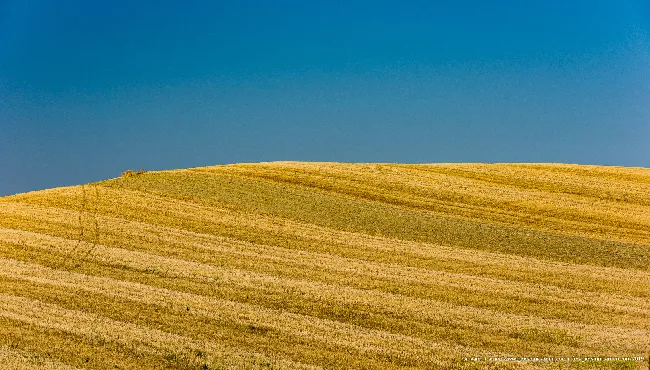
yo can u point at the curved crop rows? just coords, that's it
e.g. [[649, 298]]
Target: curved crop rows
[[329, 265]]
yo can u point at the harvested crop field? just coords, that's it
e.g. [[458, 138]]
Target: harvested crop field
[[330, 265]]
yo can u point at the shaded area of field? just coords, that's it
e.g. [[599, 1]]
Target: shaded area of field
[[299, 265]]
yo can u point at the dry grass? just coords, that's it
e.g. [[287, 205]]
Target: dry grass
[[295, 265]]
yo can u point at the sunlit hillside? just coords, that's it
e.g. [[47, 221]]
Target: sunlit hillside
[[329, 265]]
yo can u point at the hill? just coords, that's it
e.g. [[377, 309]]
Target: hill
[[302, 265]]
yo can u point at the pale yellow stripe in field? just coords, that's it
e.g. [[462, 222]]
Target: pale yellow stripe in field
[[421, 187], [593, 179], [409, 275], [215, 215], [505, 262], [14, 359], [595, 336], [496, 181], [583, 181], [393, 272], [372, 270], [143, 338], [211, 214], [307, 327]]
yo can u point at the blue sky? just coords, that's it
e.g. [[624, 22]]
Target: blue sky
[[91, 88]]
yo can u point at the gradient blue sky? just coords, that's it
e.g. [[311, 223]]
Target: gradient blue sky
[[91, 88]]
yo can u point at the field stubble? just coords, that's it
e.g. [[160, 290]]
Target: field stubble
[[307, 265]]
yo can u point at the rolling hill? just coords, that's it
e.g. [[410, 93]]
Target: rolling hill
[[332, 265]]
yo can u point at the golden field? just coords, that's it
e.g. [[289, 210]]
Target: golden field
[[330, 265]]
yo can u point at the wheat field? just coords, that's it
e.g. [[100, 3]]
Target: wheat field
[[330, 265]]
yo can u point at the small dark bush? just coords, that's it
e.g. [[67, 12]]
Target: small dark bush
[[129, 173]]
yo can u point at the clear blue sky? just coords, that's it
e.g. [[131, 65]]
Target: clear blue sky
[[91, 88]]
